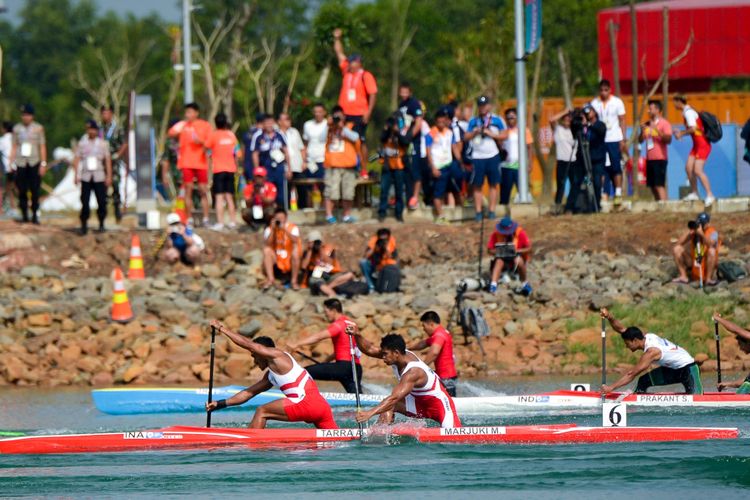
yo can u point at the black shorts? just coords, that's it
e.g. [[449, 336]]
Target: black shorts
[[224, 183], [341, 371], [360, 127], [656, 173]]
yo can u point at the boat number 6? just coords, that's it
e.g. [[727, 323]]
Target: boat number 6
[[614, 415]]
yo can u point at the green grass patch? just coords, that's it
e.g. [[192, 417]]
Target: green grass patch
[[673, 319], [592, 352]]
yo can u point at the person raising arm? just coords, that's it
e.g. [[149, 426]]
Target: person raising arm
[[743, 340]]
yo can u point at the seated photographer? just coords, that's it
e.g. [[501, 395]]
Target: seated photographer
[[395, 140], [381, 251], [322, 271], [282, 251], [182, 244], [260, 200], [511, 248], [696, 253]]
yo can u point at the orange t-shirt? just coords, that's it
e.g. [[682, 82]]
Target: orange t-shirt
[[356, 88], [191, 154], [340, 152], [224, 150]]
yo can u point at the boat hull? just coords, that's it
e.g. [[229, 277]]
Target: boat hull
[[181, 437]]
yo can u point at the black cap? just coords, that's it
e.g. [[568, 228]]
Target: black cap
[[92, 124], [483, 100], [27, 109]]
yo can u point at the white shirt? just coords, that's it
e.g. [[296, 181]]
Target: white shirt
[[565, 145], [6, 143], [295, 146], [672, 356], [315, 135], [610, 113], [691, 116]]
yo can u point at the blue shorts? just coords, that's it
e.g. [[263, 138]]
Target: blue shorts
[[489, 168], [450, 180], [613, 149]]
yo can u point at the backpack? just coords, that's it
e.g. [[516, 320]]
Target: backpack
[[352, 288], [389, 280], [711, 126], [473, 320], [731, 271]]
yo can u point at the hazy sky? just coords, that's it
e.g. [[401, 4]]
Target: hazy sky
[[168, 9]]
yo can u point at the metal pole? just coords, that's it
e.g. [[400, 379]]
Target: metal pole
[[187, 60], [523, 174]]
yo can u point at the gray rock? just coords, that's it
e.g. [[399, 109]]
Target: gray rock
[[33, 272], [423, 302], [179, 331], [253, 258], [265, 302], [599, 301], [211, 271], [511, 328], [250, 328], [237, 252]]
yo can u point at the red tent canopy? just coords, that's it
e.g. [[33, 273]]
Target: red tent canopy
[[721, 31]]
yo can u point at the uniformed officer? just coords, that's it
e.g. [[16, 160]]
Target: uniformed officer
[[29, 154], [111, 131], [93, 168]]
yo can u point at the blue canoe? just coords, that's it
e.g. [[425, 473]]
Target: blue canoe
[[132, 401]]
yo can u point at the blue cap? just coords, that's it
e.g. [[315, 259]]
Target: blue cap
[[355, 57], [506, 226], [27, 109], [483, 100]]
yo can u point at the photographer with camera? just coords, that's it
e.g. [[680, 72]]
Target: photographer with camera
[[321, 267], [511, 248], [394, 139], [591, 155], [260, 200], [486, 133], [282, 251], [341, 157], [696, 253], [380, 257], [182, 243]]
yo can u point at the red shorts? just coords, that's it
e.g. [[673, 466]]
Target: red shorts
[[313, 409], [701, 148], [191, 174], [441, 411]]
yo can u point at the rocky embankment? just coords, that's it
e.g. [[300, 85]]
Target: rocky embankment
[[55, 328]]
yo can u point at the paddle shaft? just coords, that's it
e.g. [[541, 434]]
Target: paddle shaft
[[481, 247], [718, 353], [604, 354], [356, 382], [309, 358], [211, 374]]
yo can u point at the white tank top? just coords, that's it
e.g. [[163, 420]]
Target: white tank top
[[431, 388], [672, 356], [293, 383]]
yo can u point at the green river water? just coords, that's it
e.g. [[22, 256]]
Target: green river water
[[714, 469]]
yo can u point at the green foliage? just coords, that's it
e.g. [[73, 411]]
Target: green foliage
[[459, 49]]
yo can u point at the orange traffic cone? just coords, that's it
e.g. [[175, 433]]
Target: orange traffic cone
[[135, 267], [121, 310]]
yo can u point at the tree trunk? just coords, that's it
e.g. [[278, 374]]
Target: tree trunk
[[548, 169], [567, 94], [638, 191], [322, 80]]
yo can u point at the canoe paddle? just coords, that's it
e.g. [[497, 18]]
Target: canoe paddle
[[718, 353], [350, 327], [211, 374], [604, 355]]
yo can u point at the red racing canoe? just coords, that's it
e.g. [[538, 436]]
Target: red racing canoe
[[182, 437]]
